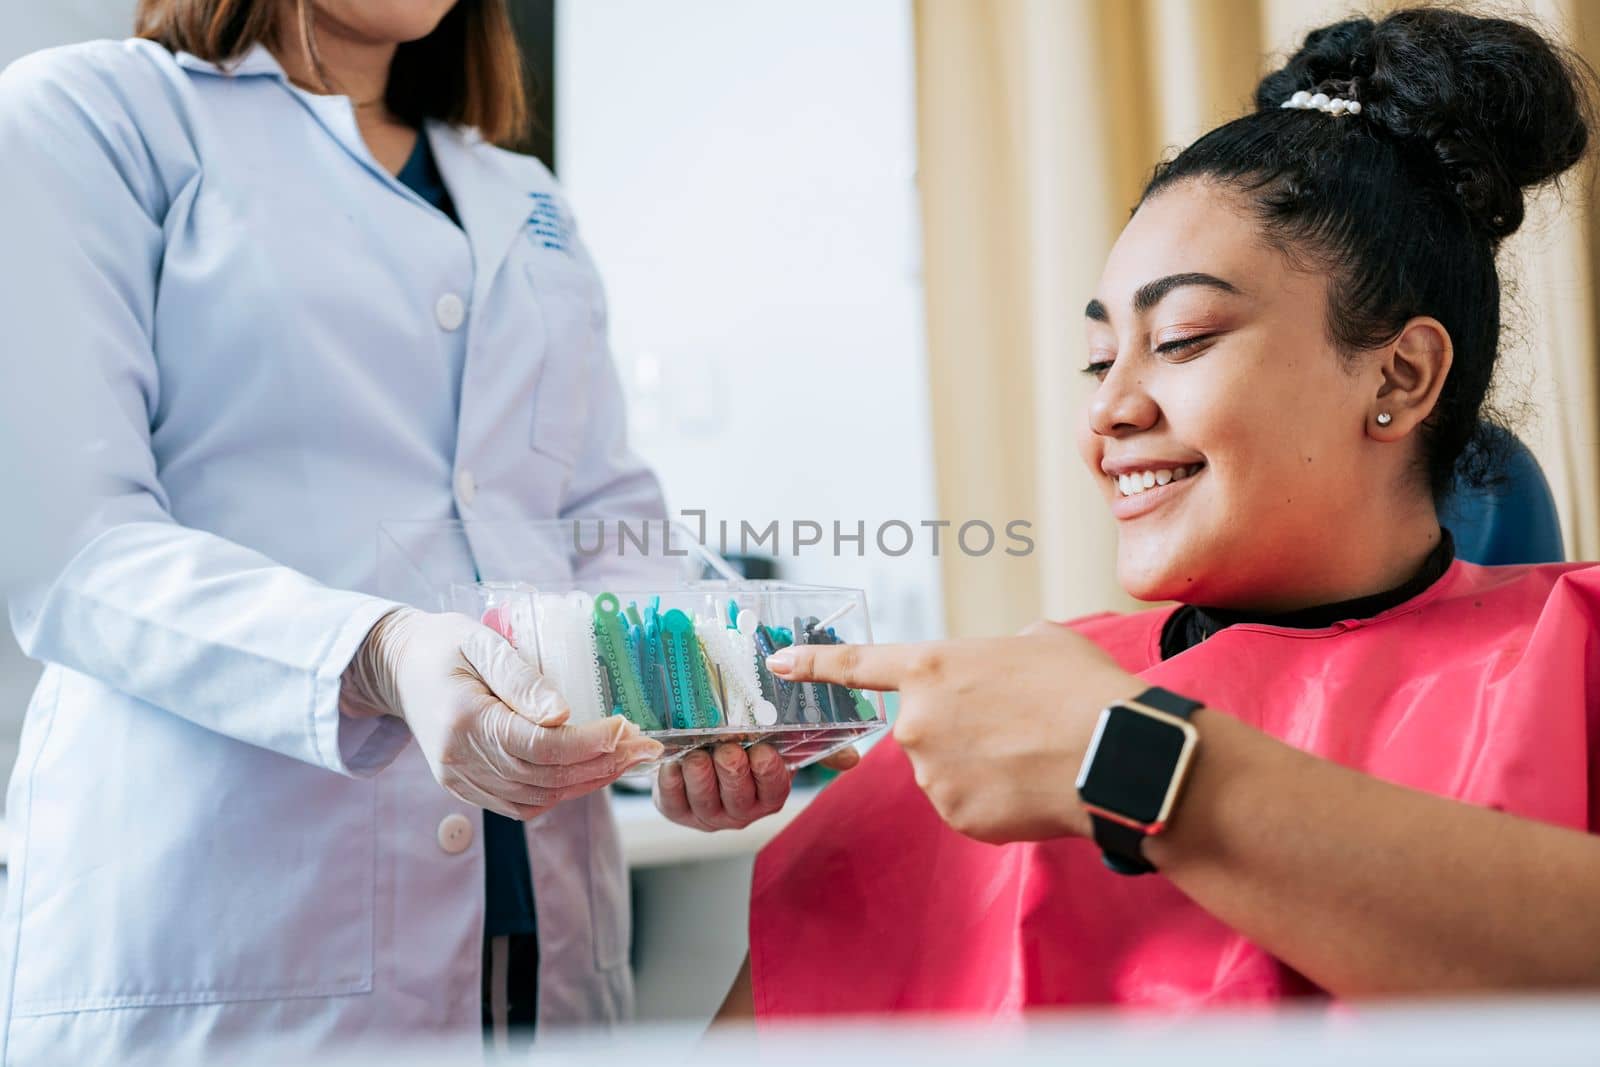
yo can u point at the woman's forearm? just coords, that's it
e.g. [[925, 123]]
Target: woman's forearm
[[1370, 888]]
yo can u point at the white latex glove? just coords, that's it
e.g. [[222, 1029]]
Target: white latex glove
[[492, 728]]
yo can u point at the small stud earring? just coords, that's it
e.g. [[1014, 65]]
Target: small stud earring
[[1384, 418]]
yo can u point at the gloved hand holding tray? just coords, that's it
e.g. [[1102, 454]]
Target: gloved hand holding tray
[[638, 618]]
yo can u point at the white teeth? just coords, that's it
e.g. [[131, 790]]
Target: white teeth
[[1137, 482]]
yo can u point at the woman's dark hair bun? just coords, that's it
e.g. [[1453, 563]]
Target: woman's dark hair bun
[[1495, 106]]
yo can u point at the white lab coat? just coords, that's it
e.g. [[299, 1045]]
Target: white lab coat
[[201, 848]]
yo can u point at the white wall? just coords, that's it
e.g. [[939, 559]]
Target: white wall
[[744, 174], [29, 25]]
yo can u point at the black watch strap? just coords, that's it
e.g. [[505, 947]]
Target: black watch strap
[[1121, 845], [1168, 701]]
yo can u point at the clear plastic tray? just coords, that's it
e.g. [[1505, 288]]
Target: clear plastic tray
[[640, 620]]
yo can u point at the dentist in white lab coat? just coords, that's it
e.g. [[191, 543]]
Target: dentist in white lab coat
[[227, 822]]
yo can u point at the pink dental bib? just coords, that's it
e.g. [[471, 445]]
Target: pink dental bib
[[1485, 688]]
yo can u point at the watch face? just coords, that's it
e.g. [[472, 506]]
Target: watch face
[[1131, 762]]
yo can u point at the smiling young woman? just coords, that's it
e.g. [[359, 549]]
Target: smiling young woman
[[1356, 764], [1214, 360]]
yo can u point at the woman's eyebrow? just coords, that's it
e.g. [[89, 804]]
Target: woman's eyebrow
[[1150, 294]]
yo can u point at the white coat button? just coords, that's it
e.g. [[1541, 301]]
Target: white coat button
[[450, 311], [466, 487], [455, 833]]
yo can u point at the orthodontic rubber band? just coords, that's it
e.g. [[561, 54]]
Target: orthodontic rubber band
[[617, 664]]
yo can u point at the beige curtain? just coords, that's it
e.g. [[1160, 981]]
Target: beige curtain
[[1038, 122]]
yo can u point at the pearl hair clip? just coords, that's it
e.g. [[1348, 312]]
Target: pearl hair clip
[[1304, 101]]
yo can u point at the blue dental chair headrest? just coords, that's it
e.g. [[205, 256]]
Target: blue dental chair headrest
[[1511, 521]]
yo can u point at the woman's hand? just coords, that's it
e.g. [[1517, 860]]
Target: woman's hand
[[492, 728], [729, 788], [995, 729]]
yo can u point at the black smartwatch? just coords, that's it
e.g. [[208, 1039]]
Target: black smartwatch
[[1131, 776]]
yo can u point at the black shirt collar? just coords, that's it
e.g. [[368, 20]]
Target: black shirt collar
[[1191, 624]]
